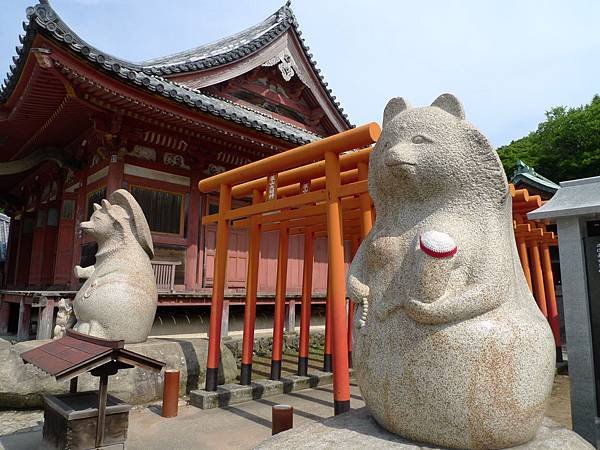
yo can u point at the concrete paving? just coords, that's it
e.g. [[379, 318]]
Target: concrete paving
[[242, 426], [245, 425]]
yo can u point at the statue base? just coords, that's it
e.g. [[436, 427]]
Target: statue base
[[358, 430]]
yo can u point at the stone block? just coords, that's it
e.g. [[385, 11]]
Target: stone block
[[231, 394]]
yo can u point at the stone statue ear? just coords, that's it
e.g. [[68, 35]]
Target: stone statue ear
[[97, 207], [450, 104], [394, 107], [106, 204]]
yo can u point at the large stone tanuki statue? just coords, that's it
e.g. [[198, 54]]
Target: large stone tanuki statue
[[452, 350], [119, 298]]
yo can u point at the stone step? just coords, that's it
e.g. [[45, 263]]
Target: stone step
[[231, 394]]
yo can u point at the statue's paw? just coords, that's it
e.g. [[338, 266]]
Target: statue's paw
[[90, 289], [430, 313], [356, 290], [83, 272]]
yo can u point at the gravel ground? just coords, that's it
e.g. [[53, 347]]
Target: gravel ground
[[20, 421]]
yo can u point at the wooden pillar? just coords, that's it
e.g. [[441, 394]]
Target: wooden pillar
[[80, 216], [337, 286], [193, 220], [522, 247], [538, 278], [280, 292], [251, 293], [25, 243], [102, 397], [37, 248], [553, 317], [305, 312], [18, 261], [13, 250], [114, 179], [4, 316], [218, 293], [46, 320], [24, 320], [50, 245], [327, 352], [63, 267]]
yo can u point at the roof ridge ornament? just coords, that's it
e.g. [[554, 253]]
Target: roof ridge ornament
[[286, 65]]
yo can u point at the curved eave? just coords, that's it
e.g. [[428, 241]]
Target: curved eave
[[275, 26], [538, 183], [43, 20]]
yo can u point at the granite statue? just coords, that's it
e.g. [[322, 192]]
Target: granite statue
[[65, 318], [118, 299], [450, 348]]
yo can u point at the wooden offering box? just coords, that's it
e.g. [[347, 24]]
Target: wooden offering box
[[70, 421]]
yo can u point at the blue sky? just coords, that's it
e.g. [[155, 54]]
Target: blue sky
[[507, 60]]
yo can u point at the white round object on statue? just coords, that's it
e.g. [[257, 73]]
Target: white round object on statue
[[437, 244]]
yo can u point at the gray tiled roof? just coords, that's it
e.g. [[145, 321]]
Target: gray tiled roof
[[147, 75]]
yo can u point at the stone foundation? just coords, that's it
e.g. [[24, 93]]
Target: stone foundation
[[263, 345]]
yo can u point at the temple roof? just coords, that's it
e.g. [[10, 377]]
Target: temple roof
[[526, 175], [149, 75], [225, 50]]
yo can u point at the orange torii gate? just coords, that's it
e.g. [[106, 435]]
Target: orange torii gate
[[313, 190], [321, 189], [533, 243]]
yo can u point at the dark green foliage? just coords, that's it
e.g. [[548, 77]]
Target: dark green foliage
[[564, 147]]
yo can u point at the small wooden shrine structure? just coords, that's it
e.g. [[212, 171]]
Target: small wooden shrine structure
[[67, 358]]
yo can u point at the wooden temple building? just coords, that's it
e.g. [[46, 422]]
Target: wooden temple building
[[77, 123]]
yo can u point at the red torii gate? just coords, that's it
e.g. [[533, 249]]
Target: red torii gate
[[321, 189], [309, 189]]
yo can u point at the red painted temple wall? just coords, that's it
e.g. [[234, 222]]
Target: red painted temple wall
[[44, 252]]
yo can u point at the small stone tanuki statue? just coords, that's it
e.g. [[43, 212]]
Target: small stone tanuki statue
[[453, 350], [64, 318], [119, 298]]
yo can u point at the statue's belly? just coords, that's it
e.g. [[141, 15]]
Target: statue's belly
[[481, 383]]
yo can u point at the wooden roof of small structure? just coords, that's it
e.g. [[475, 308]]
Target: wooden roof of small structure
[[77, 353]]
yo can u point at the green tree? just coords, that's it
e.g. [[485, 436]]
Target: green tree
[[564, 147]]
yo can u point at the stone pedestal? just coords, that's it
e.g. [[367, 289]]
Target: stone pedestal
[[225, 319], [357, 430], [24, 320], [290, 317], [70, 421], [4, 316], [46, 320]]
